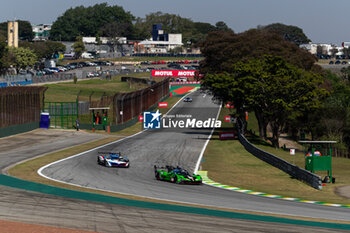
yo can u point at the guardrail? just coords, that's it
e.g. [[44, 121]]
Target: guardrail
[[292, 170]]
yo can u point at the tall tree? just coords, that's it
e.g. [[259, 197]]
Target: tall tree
[[171, 23], [222, 26], [272, 88], [78, 47], [21, 58], [290, 33], [221, 49], [44, 49], [82, 21], [3, 53]]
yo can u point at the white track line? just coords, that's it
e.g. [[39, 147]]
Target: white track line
[[96, 148], [206, 144]]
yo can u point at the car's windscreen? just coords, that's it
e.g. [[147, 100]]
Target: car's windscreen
[[182, 173]]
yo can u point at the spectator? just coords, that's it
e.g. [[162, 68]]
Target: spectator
[[98, 120], [77, 124]]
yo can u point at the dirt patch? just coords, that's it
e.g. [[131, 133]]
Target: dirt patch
[[343, 191], [17, 227]]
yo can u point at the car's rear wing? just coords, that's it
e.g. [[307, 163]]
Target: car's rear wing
[[163, 168]]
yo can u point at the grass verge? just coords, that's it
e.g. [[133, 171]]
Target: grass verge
[[67, 91], [227, 162], [28, 170]]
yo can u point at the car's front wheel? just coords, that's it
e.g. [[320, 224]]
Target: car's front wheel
[[157, 176], [177, 180]]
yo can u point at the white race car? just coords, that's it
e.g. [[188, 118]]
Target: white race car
[[111, 159]]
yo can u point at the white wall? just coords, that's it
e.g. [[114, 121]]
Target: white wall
[[175, 38]]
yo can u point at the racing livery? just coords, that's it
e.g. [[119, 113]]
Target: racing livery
[[188, 99], [112, 159], [176, 175]]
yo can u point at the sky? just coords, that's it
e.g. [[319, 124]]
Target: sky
[[322, 21]]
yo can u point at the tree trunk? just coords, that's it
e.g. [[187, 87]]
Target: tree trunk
[[262, 124], [275, 135]]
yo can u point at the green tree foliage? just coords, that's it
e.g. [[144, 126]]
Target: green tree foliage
[[21, 57], [116, 29], [79, 47], [25, 30], [222, 26], [3, 53], [82, 21], [271, 87], [335, 118], [288, 32], [44, 49], [171, 23], [332, 120], [222, 49]]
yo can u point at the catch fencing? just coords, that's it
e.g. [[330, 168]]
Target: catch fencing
[[15, 80], [20, 105], [294, 171], [53, 77], [62, 114], [124, 109], [130, 105]]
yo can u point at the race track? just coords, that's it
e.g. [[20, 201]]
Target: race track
[[174, 147]]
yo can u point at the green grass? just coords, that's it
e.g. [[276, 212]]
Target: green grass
[[28, 169], [227, 162], [67, 92]]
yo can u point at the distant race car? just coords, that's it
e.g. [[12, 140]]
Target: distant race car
[[188, 99], [176, 175], [112, 159]]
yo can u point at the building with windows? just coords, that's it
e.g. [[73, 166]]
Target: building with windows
[[41, 32], [160, 42], [319, 49]]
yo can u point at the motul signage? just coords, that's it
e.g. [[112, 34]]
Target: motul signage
[[174, 73]]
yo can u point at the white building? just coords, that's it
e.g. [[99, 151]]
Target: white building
[[104, 40], [41, 32], [150, 46], [324, 49]]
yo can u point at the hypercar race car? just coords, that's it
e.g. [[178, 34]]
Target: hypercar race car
[[176, 175], [188, 99], [112, 159]]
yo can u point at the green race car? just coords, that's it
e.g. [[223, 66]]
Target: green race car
[[176, 175]]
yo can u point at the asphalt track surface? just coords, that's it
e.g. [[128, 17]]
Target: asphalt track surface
[[37, 208], [39, 142], [175, 147]]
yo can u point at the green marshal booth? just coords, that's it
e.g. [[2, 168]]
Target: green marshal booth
[[318, 157]]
